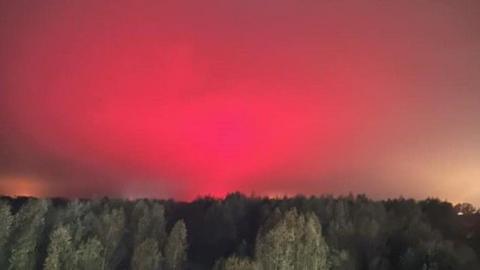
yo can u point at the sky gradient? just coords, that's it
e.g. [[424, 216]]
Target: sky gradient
[[186, 98]]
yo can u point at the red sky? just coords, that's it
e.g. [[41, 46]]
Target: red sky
[[186, 98]]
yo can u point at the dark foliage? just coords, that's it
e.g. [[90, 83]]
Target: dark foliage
[[351, 232]]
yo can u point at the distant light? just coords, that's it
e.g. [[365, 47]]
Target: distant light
[[460, 214]]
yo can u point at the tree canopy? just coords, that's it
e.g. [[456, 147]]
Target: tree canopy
[[239, 232]]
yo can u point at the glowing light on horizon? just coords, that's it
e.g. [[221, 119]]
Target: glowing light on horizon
[[17, 186]]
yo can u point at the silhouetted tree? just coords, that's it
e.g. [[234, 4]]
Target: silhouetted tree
[[146, 256], [465, 209], [239, 233], [111, 230], [293, 242], [90, 256], [6, 222], [176, 247], [158, 224], [60, 250], [28, 224], [236, 263]]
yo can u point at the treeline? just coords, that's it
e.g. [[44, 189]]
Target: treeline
[[239, 232]]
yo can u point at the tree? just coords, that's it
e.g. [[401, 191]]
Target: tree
[[141, 221], [465, 209], [29, 223], [149, 235], [158, 223], [60, 251], [236, 263], [275, 247], [148, 223], [294, 242], [6, 222], [90, 256], [340, 226], [74, 218], [176, 247], [146, 256], [111, 230], [312, 249]]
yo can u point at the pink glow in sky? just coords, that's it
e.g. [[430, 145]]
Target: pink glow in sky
[[180, 99]]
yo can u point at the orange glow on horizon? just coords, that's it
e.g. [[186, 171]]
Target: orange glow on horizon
[[17, 186]]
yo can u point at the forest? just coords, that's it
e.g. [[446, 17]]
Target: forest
[[239, 232]]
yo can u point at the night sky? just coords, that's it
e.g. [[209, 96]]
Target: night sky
[[186, 98]]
